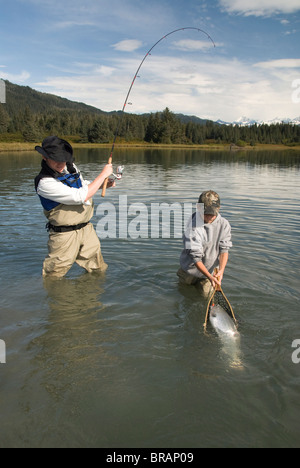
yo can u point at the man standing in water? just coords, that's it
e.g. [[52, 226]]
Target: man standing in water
[[207, 245], [67, 201]]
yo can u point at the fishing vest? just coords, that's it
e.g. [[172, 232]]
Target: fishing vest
[[57, 213]]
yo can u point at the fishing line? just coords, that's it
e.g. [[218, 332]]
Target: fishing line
[[133, 81]]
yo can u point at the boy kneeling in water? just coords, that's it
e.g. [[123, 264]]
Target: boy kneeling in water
[[207, 245]]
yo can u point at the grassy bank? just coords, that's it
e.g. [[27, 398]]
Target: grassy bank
[[16, 147]]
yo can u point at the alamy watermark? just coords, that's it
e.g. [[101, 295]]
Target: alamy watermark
[[2, 92], [141, 221], [296, 353], [296, 93], [2, 352]]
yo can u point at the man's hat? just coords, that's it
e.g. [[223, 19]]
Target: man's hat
[[56, 149], [212, 202]]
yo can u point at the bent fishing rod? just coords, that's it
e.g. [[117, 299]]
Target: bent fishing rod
[[132, 84]]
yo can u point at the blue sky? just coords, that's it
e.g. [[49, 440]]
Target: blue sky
[[89, 51]]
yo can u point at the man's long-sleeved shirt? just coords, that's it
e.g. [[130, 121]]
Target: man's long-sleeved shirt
[[52, 189]]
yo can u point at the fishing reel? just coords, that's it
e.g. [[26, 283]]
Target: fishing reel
[[119, 174]]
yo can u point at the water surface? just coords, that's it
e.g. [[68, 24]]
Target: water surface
[[121, 360]]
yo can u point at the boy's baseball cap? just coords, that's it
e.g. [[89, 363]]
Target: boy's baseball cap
[[212, 202], [56, 149]]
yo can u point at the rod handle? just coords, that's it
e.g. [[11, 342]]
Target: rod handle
[[106, 180]]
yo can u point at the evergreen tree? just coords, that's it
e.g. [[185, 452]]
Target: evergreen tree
[[36, 115], [4, 119], [99, 133], [153, 129], [31, 133]]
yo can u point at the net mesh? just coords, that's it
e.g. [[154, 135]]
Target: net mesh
[[218, 298]]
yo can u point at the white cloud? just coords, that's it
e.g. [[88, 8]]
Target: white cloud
[[282, 63], [112, 16], [260, 7], [129, 45], [188, 45], [288, 33], [72, 24], [225, 90], [105, 71], [18, 79]]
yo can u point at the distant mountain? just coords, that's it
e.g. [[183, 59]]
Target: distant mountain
[[277, 120], [191, 118], [246, 122], [185, 119], [22, 97], [30, 115], [19, 98]]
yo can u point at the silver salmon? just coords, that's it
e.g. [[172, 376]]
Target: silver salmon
[[222, 323], [229, 336]]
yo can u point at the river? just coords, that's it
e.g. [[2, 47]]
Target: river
[[121, 359]]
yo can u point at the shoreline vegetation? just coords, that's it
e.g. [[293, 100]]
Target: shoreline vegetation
[[28, 116], [24, 146]]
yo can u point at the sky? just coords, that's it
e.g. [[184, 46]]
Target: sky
[[89, 51]]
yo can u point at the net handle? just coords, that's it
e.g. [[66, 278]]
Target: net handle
[[217, 288]]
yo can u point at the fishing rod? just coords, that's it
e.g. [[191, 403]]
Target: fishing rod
[[134, 79]]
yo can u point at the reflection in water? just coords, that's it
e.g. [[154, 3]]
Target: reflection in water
[[169, 158], [192, 308], [70, 361], [72, 340], [231, 350], [122, 359]]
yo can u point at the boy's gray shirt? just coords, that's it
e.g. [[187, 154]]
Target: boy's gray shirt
[[204, 243]]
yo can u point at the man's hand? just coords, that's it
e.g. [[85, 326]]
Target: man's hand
[[111, 183], [98, 182], [107, 171]]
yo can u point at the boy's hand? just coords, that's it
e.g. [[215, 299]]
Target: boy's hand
[[215, 281], [219, 276]]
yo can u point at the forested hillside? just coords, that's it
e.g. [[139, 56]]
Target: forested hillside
[[29, 115]]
